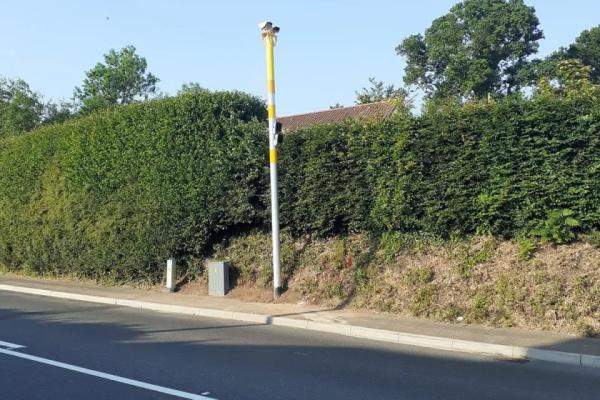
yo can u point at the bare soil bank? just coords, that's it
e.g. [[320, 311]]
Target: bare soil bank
[[482, 280]]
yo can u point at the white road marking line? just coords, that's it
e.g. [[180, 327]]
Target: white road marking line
[[11, 345], [114, 378]]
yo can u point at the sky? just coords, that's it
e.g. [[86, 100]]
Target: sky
[[326, 50]]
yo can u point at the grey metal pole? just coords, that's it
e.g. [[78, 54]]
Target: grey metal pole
[[275, 216], [269, 35]]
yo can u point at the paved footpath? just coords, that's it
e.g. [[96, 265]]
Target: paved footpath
[[506, 343]]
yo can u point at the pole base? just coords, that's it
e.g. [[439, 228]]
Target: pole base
[[277, 292]]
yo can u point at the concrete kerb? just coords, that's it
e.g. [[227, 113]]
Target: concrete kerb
[[590, 361], [431, 342], [554, 356]]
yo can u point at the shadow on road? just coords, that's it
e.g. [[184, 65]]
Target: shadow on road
[[252, 361]]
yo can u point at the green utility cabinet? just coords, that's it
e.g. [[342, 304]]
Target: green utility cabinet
[[218, 278]]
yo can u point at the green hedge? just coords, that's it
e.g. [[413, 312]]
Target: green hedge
[[112, 195], [505, 167], [498, 168], [331, 175]]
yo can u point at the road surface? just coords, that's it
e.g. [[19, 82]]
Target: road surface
[[76, 350]]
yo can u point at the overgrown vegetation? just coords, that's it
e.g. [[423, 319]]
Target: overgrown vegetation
[[594, 239], [555, 288], [505, 168], [112, 195], [560, 227], [484, 208]]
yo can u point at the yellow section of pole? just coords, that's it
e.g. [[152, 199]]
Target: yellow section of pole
[[271, 111], [273, 156], [270, 64]]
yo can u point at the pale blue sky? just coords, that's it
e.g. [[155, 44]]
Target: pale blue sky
[[327, 49]]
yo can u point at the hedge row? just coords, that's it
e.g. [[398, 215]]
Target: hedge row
[[113, 195], [496, 168], [110, 196]]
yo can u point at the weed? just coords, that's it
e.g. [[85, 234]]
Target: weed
[[480, 307], [308, 286], [546, 295], [465, 268], [335, 257], [588, 331], [420, 275], [361, 278], [451, 312], [536, 263], [559, 228], [594, 239], [539, 277], [391, 244], [265, 275], [469, 258], [486, 252], [363, 261], [421, 304], [333, 290], [505, 291], [422, 241], [581, 284], [527, 247]]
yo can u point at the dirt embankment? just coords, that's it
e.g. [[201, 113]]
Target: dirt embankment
[[482, 280]]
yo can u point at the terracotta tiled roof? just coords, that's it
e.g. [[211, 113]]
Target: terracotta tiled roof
[[381, 109]]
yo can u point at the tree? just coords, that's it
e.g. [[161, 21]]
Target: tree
[[55, 113], [572, 80], [122, 79], [539, 69], [379, 91], [585, 49], [21, 109], [192, 87], [476, 49]]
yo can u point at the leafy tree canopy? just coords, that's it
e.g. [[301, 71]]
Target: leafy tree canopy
[[121, 79], [192, 87], [572, 80], [476, 49], [379, 91], [585, 50], [21, 109], [56, 113]]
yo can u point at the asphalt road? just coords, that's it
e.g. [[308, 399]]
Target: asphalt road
[[70, 345]]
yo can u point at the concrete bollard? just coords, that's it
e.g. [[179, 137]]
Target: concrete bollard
[[171, 275]]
